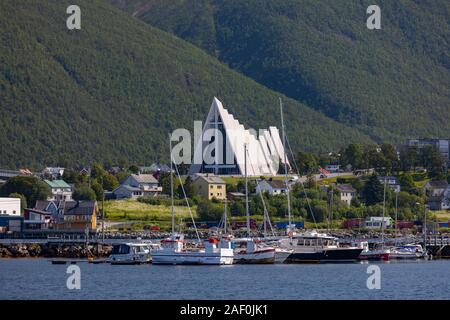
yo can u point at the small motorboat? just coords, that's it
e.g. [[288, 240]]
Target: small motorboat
[[253, 251], [131, 253], [383, 254], [408, 251]]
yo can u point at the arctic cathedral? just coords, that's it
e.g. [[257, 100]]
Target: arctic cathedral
[[226, 147]]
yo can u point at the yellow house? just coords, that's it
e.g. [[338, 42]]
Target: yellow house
[[78, 216], [210, 186]]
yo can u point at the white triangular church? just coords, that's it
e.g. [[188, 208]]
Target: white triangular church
[[220, 147]]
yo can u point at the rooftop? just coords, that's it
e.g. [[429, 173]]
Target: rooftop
[[276, 184], [210, 178], [144, 178], [69, 207], [345, 188], [439, 184], [57, 184]]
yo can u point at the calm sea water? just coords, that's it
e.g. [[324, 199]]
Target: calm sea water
[[39, 279]]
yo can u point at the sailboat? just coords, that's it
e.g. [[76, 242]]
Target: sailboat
[[380, 253], [407, 251], [174, 250], [311, 246], [250, 250]]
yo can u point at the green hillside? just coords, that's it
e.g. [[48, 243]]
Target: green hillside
[[391, 83], [115, 89]]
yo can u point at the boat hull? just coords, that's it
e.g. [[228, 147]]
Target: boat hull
[[324, 256], [375, 256], [191, 259], [257, 257]]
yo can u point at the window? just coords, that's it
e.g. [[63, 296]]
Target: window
[[14, 211], [219, 187]]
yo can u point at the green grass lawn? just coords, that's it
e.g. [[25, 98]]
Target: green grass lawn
[[442, 215], [126, 210], [328, 181]]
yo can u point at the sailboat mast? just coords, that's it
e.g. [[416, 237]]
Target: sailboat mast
[[171, 186], [246, 190], [225, 216], [285, 164], [384, 212], [396, 217]]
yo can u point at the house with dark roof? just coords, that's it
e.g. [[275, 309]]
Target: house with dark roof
[[209, 186], [66, 216], [438, 193], [346, 193], [138, 185], [272, 187]]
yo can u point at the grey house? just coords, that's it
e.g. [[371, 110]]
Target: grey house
[[138, 185]]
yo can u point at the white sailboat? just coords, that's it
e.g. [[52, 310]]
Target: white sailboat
[[174, 250], [381, 252], [250, 250]]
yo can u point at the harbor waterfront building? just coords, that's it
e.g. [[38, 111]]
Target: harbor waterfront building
[[10, 206], [220, 147]]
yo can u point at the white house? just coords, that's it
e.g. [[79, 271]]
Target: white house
[[54, 172], [392, 182], [10, 206], [273, 187], [138, 185], [375, 222], [60, 190], [346, 193], [440, 201]]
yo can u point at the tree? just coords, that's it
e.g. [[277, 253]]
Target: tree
[[189, 188], [390, 157], [23, 200], [84, 193], [97, 171], [307, 163], [110, 182], [98, 189], [373, 191], [209, 211], [432, 160], [237, 208], [409, 158], [407, 182], [134, 169], [373, 157], [353, 155], [31, 187]]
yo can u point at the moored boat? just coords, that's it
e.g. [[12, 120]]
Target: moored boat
[[131, 253], [408, 251], [174, 251], [375, 254], [252, 251], [311, 246]]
